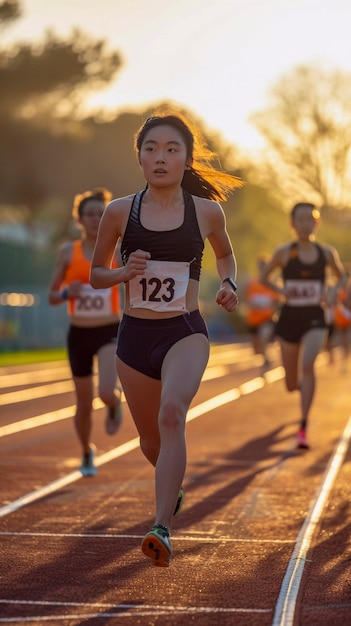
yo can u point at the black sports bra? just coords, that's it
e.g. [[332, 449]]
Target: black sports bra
[[297, 270], [180, 244]]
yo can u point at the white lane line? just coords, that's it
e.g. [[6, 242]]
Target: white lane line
[[45, 418], [68, 412], [33, 393], [252, 385], [121, 614], [285, 607], [28, 378], [128, 614], [193, 413], [179, 537], [119, 610], [276, 374], [66, 480], [219, 365], [216, 371], [67, 386]]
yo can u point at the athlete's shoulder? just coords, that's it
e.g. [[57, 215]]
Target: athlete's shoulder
[[66, 248], [120, 203], [281, 255], [205, 202], [208, 208], [283, 248], [65, 253], [330, 253], [325, 247]]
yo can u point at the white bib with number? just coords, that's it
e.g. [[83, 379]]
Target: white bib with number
[[260, 301], [92, 302], [161, 288], [303, 292]]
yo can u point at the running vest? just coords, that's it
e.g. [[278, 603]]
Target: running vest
[[342, 317], [182, 244], [91, 302], [260, 301], [304, 280]]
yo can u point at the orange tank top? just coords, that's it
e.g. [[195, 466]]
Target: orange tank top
[[260, 303], [341, 316], [91, 302]]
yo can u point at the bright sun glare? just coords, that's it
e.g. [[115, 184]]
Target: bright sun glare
[[218, 59]]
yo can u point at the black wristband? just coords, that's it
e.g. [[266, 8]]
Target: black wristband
[[231, 282], [64, 294]]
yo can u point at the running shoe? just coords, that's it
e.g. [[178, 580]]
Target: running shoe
[[180, 501], [88, 468], [302, 439], [157, 545], [114, 417]]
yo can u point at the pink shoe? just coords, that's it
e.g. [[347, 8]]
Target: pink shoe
[[302, 439]]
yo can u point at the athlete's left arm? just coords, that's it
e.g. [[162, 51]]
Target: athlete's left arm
[[225, 259], [217, 235], [338, 269], [335, 264]]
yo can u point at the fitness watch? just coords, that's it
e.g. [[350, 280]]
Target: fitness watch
[[232, 283]]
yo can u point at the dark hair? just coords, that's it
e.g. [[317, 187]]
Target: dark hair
[[201, 179], [80, 200], [305, 205]]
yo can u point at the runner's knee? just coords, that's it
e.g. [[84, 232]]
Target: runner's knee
[[171, 415]]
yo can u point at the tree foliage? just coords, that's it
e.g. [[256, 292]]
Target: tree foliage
[[50, 150], [308, 132], [10, 10], [43, 86], [53, 75]]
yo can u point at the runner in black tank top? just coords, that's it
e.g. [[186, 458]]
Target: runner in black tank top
[[302, 328], [163, 346], [308, 281]]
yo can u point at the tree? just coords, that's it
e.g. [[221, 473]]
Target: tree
[[10, 10], [49, 150], [42, 88], [54, 75], [308, 132]]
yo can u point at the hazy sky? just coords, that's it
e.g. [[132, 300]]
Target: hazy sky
[[217, 57]]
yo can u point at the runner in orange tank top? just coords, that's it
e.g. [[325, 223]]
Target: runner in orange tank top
[[260, 307], [94, 319]]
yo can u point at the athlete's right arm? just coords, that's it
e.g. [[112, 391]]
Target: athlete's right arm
[[111, 229], [56, 294], [278, 261]]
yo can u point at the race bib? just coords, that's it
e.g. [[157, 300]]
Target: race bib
[[304, 292], [261, 301], [162, 287], [92, 302]]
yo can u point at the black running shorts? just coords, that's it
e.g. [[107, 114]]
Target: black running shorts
[[84, 343], [143, 343]]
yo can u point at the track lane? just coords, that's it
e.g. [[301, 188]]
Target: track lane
[[230, 499]]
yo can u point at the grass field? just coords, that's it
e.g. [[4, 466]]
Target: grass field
[[31, 356]]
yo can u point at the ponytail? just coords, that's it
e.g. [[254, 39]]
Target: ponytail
[[201, 178]]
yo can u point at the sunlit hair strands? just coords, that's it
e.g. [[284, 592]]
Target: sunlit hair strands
[[201, 178], [100, 193]]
